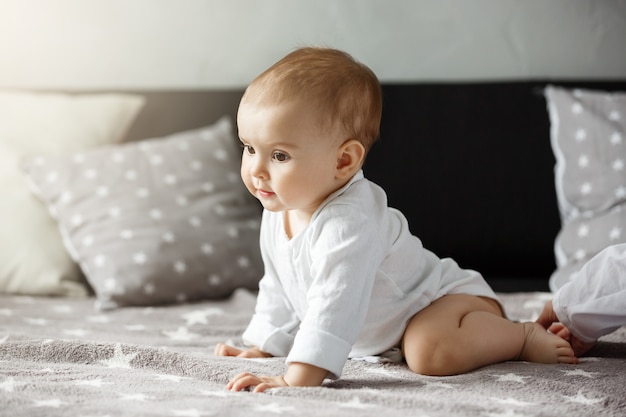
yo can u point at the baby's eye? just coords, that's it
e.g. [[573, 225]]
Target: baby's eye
[[249, 149], [280, 157]]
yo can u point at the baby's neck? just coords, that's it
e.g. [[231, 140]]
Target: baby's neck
[[295, 221]]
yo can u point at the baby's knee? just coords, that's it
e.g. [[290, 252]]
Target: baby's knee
[[430, 357]]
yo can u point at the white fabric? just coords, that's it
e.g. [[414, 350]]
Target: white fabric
[[347, 285], [593, 302]]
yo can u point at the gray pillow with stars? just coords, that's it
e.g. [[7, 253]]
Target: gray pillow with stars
[[160, 221], [588, 134]]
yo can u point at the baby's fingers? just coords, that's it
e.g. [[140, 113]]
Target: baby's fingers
[[222, 349], [243, 381]]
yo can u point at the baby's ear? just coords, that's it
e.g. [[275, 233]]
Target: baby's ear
[[350, 158]]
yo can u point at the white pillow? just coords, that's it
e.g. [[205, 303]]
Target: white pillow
[[33, 259], [159, 221], [588, 136]]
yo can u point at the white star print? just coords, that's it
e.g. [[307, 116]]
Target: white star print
[[195, 221], [76, 332], [126, 234], [586, 188], [580, 135], [437, 384], [191, 412], [510, 378], [579, 372], [581, 399], [583, 161], [379, 371], [614, 115], [615, 233], [618, 165], [243, 262], [512, 401], [580, 254], [181, 334], [140, 258], [223, 393], [170, 378], [97, 383], [208, 187], [583, 230], [63, 309], [8, 384], [180, 267], [620, 192], [355, 403], [99, 319], [200, 316], [36, 321], [616, 138], [156, 159], [273, 408], [119, 359], [506, 413], [577, 108], [135, 397], [54, 403]]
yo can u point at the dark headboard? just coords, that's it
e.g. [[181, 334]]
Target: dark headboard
[[470, 165]]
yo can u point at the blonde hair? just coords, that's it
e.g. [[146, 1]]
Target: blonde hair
[[346, 92]]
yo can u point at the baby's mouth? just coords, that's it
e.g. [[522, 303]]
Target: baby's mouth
[[265, 193]]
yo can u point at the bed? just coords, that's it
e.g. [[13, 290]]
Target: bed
[[116, 308]]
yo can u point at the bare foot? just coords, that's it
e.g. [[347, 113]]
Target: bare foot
[[580, 347], [543, 347]]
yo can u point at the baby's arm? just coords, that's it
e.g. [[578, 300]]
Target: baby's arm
[[298, 375]]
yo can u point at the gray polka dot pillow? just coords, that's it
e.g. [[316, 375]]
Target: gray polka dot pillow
[[588, 133], [159, 221]]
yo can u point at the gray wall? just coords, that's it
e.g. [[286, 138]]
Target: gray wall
[[155, 44]]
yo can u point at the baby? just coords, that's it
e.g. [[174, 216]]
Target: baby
[[344, 277]]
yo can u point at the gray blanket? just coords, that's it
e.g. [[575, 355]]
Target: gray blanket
[[60, 357]]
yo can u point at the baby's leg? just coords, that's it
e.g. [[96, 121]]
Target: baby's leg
[[458, 333]]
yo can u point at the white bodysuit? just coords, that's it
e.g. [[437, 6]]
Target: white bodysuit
[[347, 285], [593, 302]]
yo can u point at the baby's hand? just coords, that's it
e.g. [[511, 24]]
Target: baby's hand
[[260, 383], [222, 349]]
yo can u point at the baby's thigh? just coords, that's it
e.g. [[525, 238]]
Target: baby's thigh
[[443, 317], [435, 339]]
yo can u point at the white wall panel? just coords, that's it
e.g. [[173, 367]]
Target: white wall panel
[[225, 43]]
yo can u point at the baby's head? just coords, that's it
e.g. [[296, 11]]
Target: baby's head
[[344, 94]]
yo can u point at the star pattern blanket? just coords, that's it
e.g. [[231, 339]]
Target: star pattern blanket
[[60, 357]]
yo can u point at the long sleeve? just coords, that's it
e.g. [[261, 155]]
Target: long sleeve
[[593, 303], [344, 259], [274, 322]]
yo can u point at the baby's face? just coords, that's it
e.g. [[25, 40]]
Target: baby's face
[[289, 162]]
